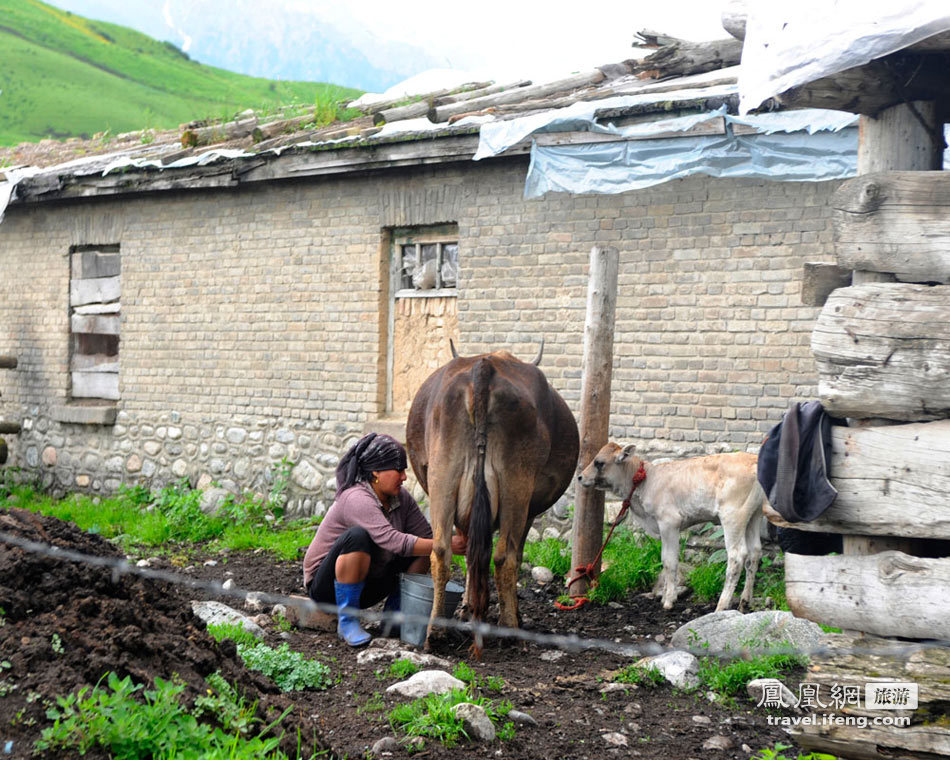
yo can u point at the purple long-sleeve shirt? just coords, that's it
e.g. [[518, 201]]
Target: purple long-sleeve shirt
[[394, 531]]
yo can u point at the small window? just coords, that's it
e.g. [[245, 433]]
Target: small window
[[94, 310], [426, 261]]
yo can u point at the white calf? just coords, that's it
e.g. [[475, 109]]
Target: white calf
[[674, 495]]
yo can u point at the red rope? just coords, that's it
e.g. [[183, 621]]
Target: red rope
[[587, 571]]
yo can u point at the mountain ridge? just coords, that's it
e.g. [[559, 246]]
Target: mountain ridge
[[67, 76], [271, 42]]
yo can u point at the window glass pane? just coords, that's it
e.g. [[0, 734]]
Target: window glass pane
[[450, 264], [423, 278]]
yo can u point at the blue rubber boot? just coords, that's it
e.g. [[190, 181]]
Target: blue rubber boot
[[390, 629], [348, 625]]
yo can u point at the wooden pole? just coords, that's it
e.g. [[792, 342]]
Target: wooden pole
[[10, 428], [8, 362], [901, 138], [588, 529]]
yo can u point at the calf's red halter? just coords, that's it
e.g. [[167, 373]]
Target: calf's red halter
[[587, 571]]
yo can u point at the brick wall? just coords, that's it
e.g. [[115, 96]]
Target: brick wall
[[252, 319]]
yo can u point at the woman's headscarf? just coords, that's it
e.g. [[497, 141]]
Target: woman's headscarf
[[373, 452]]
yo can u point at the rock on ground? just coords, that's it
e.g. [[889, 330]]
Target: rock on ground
[[426, 682], [679, 668], [475, 722], [729, 632], [216, 613]]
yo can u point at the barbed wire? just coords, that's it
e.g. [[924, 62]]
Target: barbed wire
[[480, 630]]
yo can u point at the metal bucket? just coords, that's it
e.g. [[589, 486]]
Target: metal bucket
[[415, 590]]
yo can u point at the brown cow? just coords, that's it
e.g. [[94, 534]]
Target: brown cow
[[493, 445]]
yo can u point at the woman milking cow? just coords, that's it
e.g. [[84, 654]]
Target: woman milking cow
[[373, 531]]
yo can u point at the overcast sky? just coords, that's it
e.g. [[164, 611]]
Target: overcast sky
[[523, 38]]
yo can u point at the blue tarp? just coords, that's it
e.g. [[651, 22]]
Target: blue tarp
[[615, 167], [807, 145]]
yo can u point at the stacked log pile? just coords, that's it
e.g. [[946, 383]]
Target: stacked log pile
[[882, 348], [675, 65]]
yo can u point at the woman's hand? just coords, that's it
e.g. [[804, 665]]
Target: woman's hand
[[459, 543], [423, 546]]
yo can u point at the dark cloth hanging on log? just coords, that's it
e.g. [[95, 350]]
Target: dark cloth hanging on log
[[794, 463]]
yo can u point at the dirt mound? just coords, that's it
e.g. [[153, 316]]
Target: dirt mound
[[67, 623]]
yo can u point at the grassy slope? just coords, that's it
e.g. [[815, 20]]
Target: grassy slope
[[64, 75]]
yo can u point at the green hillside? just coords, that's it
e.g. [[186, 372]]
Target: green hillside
[[64, 76]]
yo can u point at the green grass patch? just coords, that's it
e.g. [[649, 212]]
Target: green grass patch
[[283, 544], [466, 674], [234, 631], [131, 722], [632, 563], [432, 717], [402, 668], [67, 76], [707, 580], [731, 678], [136, 517], [639, 675], [770, 582], [552, 553]]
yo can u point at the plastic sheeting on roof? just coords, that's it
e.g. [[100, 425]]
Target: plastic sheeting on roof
[[497, 137], [803, 145], [789, 44], [616, 167]]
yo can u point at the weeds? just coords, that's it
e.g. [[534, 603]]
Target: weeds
[[777, 753], [432, 716], [290, 670], [632, 561], [770, 582], [224, 705], [707, 580], [6, 685], [464, 672], [730, 679], [552, 553], [137, 517], [374, 704], [234, 631], [282, 623], [158, 725], [402, 668], [640, 676]]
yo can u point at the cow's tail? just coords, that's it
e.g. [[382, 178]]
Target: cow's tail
[[480, 525]]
